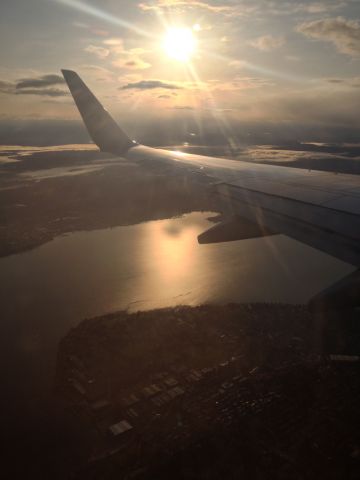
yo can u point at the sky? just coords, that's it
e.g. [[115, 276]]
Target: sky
[[262, 70]]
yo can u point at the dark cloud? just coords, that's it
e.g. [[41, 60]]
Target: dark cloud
[[335, 80], [40, 82], [183, 107], [43, 92], [150, 84], [345, 82], [6, 87], [35, 86]]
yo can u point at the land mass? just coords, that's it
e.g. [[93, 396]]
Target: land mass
[[210, 392], [49, 193]]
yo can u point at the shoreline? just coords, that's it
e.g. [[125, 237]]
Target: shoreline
[[88, 194]]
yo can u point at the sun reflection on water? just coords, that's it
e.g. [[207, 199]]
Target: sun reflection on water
[[174, 248]]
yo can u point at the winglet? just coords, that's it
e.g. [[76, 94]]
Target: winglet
[[102, 128]]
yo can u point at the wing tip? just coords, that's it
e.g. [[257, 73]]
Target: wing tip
[[102, 128], [67, 74]]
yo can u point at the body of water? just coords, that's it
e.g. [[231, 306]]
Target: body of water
[[47, 291]]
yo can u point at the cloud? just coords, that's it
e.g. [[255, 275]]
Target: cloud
[[239, 83], [244, 83], [99, 33], [135, 63], [241, 8], [344, 34], [322, 7], [334, 80], [182, 107], [238, 64], [267, 43], [6, 87], [96, 69], [46, 92], [291, 7], [126, 59], [166, 4], [351, 82], [150, 85], [103, 74], [43, 81], [113, 41], [35, 86], [99, 52]]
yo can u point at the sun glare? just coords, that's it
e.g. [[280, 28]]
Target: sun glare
[[180, 44]]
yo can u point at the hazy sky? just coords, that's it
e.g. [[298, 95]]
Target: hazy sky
[[256, 61]]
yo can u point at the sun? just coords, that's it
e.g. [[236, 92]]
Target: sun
[[180, 43]]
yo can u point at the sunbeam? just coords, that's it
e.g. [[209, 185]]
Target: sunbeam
[[97, 12]]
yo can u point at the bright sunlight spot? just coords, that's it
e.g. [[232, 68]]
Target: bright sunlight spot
[[180, 44]]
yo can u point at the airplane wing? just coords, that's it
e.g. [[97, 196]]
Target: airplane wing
[[320, 209]]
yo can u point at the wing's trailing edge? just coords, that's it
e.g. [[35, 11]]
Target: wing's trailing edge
[[232, 229], [102, 128]]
